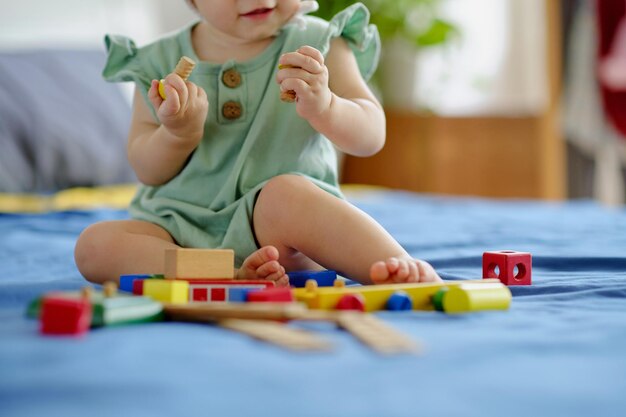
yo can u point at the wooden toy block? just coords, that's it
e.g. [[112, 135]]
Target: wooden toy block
[[203, 264], [138, 282], [126, 281], [204, 290], [324, 278], [184, 68], [376, 296], [61, 315], [166, 290], [278, 334], [476, 297], [510, 267], [138, 287], [271, 295], [376, 334]]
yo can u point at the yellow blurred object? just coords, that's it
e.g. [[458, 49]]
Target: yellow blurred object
[[81, 198], [466, 298], [162, 89], [167, 290]]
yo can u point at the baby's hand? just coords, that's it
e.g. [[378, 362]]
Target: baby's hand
[[304, 72], [184, 111]]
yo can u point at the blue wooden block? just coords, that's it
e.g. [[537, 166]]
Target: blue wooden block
[[325, 278], [126, 281], [239, 295], [399, 301]]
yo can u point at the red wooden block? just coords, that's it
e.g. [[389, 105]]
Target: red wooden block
[[506, 262], [199, 294], [138, 287], [65, 315], [351, 302], [218, 294], [274, 295]]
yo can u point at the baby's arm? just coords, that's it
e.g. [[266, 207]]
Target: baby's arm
[[334, 98], [157, 152]]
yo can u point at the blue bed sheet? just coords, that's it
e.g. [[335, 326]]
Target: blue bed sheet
[[559, 351]]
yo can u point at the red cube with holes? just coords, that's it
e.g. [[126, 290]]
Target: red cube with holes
[[510, 267]]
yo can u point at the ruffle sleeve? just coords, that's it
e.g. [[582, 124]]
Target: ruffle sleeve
[[353, 25], [125, 62]]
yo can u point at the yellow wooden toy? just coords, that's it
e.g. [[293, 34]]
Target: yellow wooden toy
[[467, 298], [167, 290], [183, 69], [376, 296]]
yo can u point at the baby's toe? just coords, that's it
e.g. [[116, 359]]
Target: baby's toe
[[280, 279], [269, 268], [402, 272], [379, 272], [414, 274], [392, 265], [427, 273]]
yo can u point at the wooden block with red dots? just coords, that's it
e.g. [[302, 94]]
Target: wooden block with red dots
[[510, 267], [191, 264], [224, 290]]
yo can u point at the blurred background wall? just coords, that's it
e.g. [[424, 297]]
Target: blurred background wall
[[511, 107]]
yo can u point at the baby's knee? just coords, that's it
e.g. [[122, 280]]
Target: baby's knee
[[89, 250], [286, 186], [282, 197]]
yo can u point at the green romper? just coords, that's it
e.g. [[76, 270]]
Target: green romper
[[250, 134]]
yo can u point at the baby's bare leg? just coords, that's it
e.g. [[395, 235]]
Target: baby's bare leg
[[309, 227], [106, 250]]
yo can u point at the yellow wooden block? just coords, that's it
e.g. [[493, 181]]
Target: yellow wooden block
[[376, 296], [166, 290], [476, 297], [200, 263]]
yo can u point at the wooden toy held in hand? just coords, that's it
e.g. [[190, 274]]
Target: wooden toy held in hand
[[183, 69], [288, 96]]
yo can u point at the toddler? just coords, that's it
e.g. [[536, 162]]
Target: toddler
[[224, 163]]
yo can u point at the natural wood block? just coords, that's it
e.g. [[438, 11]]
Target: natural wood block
[[200, 263]]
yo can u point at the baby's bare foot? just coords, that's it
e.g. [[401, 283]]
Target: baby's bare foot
[[400, 269], [263, 264]]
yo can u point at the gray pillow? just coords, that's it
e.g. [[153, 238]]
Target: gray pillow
[[61, 124]]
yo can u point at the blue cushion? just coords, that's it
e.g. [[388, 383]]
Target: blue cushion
[[61, 124]]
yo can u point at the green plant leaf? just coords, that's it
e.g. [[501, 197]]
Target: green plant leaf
[[392, 17], [438, 33]]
